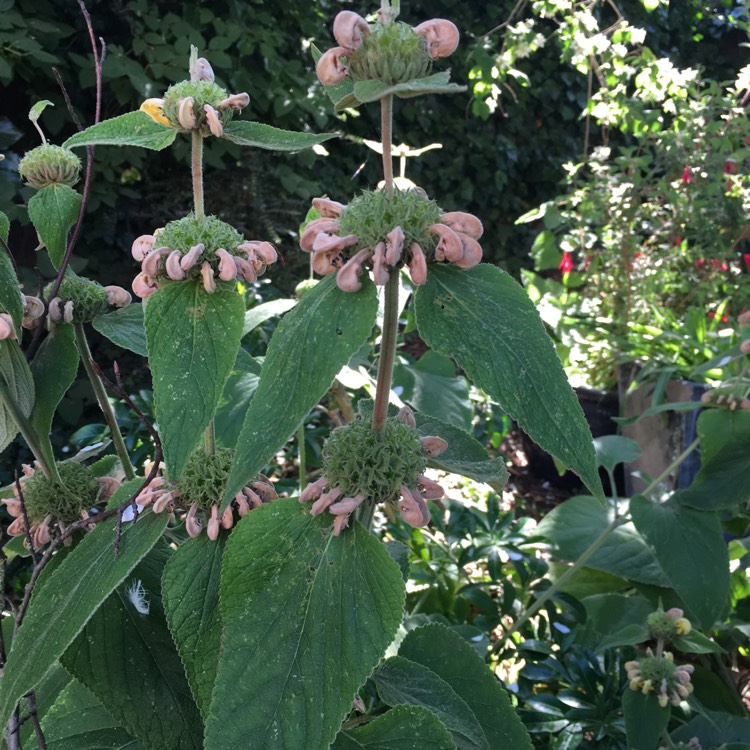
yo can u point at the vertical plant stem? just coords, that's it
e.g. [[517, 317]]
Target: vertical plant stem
[[29, 433], [101, 397], [390, 317], [197, 172], [209, 439], [301, 457]]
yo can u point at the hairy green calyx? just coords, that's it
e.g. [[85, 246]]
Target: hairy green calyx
[[202, 93], [205, 477], [183, 234], [392, 53], [88, 297], [372, 215], [50, 165], [64, 502], [356, 459]]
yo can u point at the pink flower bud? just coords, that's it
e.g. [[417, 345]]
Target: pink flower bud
[[245, 269], [68, 311], [144, 286], [152, 262], [433, 445], [349, 29], [395, 246], [413, 508], [117, 296], [327, 208], [472, 254], [313, 490], [190, 258], [745, 346], [252, 499], [227, 517], [13, 507], [109, 485], [417, 264], [17, 527], [744, 318], [326, 243], [406, 415], [449, 245], [330, 67], [185, 113], [214, 123], [173, 267], [242, 505], [379, 271], [325, 500], [192, 522], [213, 524], [209, 283], [348, 275], [314, 228], [7, 329], [235, 101], [430, 490], [142, 246], [33, 309], [347, 505], [54, 310], [266, 491], [325, 263], [201, 70], [267, 253], [339, 524], [459, 221], [162, 502], [442, 37], [227, 268]]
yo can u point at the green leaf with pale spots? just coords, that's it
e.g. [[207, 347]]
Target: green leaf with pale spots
[[124, 327], [311, 344], [401, 728], [193, 339], [132, 129], [307, 616], [246, 133], [645, 719], [484, 320], [190, 590], [53, 211], [10, 293], [438, 83], [18, 383]]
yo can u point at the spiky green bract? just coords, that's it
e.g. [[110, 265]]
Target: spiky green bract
[[88, 297], [392, 53], [356, 459], [205, 477], [373, 214], [654, 669], [45, 497], [661, 625], [50, 165], [183, 234], [202, 92]]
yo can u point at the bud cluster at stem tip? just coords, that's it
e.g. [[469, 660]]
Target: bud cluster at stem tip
[[49, 165]]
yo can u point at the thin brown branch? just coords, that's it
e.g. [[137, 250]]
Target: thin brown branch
[[34, 716], [26, 522], [66, 96]]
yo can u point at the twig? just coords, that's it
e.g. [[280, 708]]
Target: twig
[[26, 523], [66, 96], [34, 716]]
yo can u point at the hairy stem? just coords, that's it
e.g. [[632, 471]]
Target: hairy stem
[[197, 172], [386, 134], [101, 397], [209, 439]]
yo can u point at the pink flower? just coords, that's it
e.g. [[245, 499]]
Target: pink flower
[[566, 264], [442, 37], [686, 178], [746, 258]]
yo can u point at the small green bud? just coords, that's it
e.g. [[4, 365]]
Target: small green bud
[[667, 625], [375, 464], [49, 165], [391, 53], [44, 497], [205, 478], [78, 300]]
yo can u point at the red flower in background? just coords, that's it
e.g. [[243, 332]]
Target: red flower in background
[[746, 258], [566, 264], [686, 178]]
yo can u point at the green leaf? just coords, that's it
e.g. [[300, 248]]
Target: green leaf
[[630, 635], [54, 368], [714, 728], [438, 83], [73, 592], [645, 719], [238, 391], [132, 129], [260, 135], [322, 611], [19, 382], [449, 656], [611, 612], [265, 311], [575, 524], [484, 320], [402, 728], [340, 91], [124, 327], [692, 552], [10, 293], [53, 211], [193, 339], [4, 227], [401, 681], [36, 111], [724, 477], [47, 692], [696, 643], [615, 449], [78, 721], [307, 350], [190, 589], [127, 658]]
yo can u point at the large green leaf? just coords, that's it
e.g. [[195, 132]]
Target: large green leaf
[[54, 369], [53, 211], [485, 320], [126, 657], [437, 83], [402, 728], [246, 133], [714, 728], [449, 656], [724, 478], [691, 551], [190, 590], [265, 311], [402, 681], [238, 391], [78, 721], [45, 694], [645, 719], [576, 523], [124, 327], [132, 129], [307, 616], [10, 294], [19, 383], [73, 592], [193, 339], [310, 345]]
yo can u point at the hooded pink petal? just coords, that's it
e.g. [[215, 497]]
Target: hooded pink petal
[[442, 37], [209, 283], [449, 245], [227, 267], [348, 275], [417, 264], [143, 285], [349, 28], [173, 267], [472, 254], [379, 271], [331, 68], [313, 229], [142, 246], [185, 113], [214, 123], [459, 221], [327, 208], [395, 243]]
